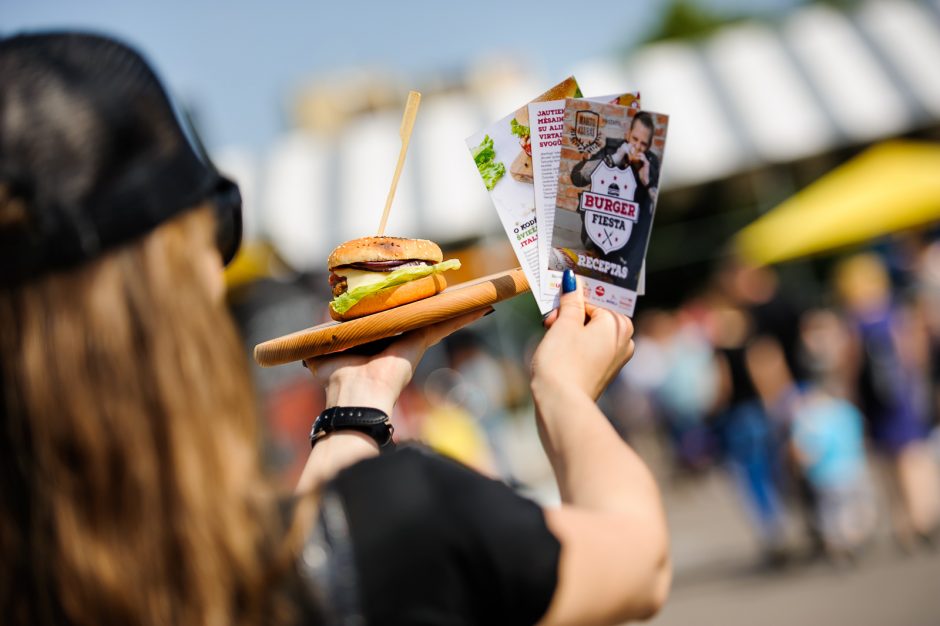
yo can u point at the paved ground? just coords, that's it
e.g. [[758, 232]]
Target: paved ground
[[715, 556], [717, 582], [884, 590]]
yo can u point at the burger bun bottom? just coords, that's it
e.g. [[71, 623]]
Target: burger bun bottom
[[391, 297]]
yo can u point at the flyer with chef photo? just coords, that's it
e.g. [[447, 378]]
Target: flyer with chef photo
[[547, 124], [503, 155], [608, 182]]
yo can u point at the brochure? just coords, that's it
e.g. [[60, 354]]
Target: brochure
[[546, 136], [503, 156], [608, 182]]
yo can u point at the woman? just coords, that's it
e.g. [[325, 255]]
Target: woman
[[752, 379], [132, 488], [892, 391]]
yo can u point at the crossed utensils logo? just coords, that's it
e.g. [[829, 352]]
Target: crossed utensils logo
[[609, 211]]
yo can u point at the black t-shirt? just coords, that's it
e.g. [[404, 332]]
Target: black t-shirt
[[433, 542], [780, 318], [742, 386]]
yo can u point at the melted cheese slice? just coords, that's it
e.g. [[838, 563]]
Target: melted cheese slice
[[357, 278]]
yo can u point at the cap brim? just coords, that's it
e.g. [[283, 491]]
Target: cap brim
[[227, 202]]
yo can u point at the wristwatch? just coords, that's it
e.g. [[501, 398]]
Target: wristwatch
[[369, 421]]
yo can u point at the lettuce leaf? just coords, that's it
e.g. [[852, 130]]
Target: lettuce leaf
[[491, 173], [348, 300], [484, 153], [484, 156], [518, 129]]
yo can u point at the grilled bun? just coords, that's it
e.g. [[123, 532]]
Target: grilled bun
[[371, 249], [565, 89], [391, 297]]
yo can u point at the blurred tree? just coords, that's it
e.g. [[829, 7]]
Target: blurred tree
[[697, 19], [843, 5], [685, 19]]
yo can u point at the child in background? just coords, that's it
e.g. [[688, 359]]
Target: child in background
[[828, 442]]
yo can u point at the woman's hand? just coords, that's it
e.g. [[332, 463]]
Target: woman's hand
[[584, 348], [374, 381], [377, 381]]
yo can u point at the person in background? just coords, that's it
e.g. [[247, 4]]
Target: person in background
[[745, 433], [892, 390], [828, 441], [681, 379], [775, 342], [133, 489], [927, 286], [775, 367]]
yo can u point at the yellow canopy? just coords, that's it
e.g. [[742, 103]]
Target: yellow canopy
[[890, 187], [254, 261]]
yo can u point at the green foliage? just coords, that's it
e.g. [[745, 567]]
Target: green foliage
[[684, 19]]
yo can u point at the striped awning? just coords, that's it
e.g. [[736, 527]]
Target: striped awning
[[753, 94]]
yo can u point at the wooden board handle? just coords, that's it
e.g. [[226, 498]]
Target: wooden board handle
[[336, 336]]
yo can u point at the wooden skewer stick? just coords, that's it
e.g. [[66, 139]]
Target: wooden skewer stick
[[407, 125]]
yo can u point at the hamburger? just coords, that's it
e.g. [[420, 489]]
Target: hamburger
[[373, 274], [521, 168]]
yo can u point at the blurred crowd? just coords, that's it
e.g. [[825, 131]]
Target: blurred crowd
[[820, 401], [818, 397]]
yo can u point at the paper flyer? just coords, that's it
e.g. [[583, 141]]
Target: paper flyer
[[547, 124], [608, 182], [503, 156]]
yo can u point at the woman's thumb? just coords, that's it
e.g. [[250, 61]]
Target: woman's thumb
[[571, 302]]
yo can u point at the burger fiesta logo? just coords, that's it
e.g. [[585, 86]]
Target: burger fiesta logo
[[608, 208]]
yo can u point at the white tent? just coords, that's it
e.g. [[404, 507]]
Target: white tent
[[751, 95]]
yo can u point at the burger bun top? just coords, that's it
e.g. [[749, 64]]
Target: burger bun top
[[565, 89], [380, 248]]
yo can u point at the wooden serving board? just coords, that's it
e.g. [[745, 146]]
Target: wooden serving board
[[521, 168], [338, 336]]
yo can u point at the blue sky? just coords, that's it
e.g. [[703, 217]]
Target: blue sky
[[239, 61]]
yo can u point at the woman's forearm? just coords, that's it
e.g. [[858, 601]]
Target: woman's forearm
[[354, 389], [594, 467], [606, 485], [334, 452], [614, 563], [341, 449]]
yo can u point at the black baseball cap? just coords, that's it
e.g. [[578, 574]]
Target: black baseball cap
[[94, 154]]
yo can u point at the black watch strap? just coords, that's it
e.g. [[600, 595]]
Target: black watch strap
[[367, 420]]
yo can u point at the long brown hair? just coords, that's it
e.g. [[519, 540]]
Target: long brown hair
[[131, 483]]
